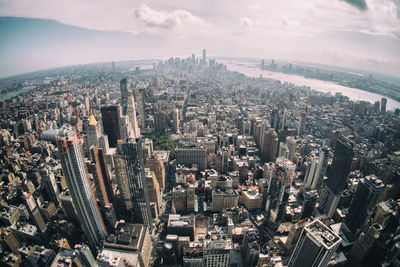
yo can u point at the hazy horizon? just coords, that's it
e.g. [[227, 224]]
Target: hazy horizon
[[354, 34]]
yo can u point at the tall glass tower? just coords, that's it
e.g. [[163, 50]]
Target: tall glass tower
[[337, 176], [76, 175], [132, 148]]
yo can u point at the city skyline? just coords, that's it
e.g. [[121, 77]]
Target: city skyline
[[355, 34]]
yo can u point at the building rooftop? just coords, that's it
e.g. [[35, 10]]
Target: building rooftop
[[322, 234]]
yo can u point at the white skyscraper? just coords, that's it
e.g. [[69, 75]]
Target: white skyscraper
[[132, 115], [75, 172]]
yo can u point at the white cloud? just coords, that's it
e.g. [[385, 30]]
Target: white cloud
[[167, 20], [246, 22]]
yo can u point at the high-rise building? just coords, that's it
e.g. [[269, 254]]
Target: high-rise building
[[362, 205], [94, 136], [155, 165], [383, 104], [101, 175], [269, 147], [311, 171], [75, 172], [323, 159], [131, 113], [135, 172], [204, 56], [68, 206], [302, 125], [153, 188], [279, 188], [310, 201], [175, 120], [34, 212], [111, 124], [337, 176], [315, 247], [363, 244], [124, 95]]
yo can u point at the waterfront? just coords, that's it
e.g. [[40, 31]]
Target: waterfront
[[12, 94], [252, 69]]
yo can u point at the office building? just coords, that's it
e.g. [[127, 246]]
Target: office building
[[224, 199], [217, 251], [34, 212], [302, 125], [124, 95], [74, 169], [269, 147], [131, 242], [309, 203], [156, 165], [131, 113], [362, 205], [153, 189], [192, 154], [279, 182], [101, 175], [383, 104], [337, 176], [136, 180], [181, 225], [68, 206], [94, 135], [315, 247], [112, 124]]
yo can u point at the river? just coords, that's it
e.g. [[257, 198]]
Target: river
[[12, 94], [252, 69]]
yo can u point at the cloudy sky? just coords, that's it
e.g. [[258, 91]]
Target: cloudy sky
[[352, 33]]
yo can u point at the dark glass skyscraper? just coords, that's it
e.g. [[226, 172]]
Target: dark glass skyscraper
[[362, 205], [340, 168], [337, 176], [124, 95], [111, 123], [136, 178], [310, 200]]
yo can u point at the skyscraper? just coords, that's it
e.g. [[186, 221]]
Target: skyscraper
[[337, 176], [101, 175], [323, 159], [111, 123], [310, 200], [204, 56], [279, 184], [131, 113], [131, 178], [75, 172], [302, 126], [316, 245], [383, 104], [124, 95], [269, 146], [94, 136], [362, 205]]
